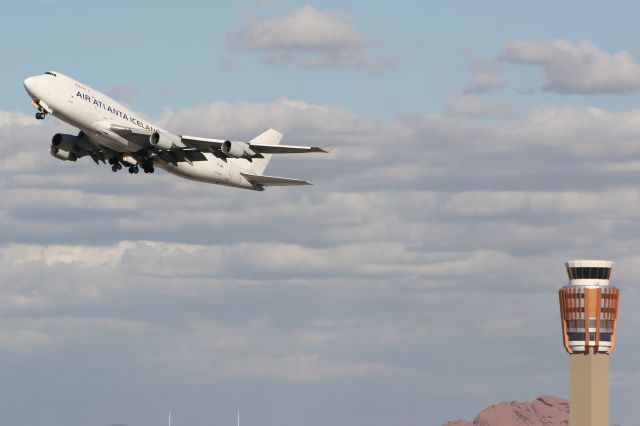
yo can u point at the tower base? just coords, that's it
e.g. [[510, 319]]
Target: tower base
[[589, 390]]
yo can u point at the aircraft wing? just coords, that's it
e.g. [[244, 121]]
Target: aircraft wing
[[262, 180], [141, 137], [137, 136], [208, 145], [84, 147]]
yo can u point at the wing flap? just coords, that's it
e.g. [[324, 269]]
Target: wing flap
[[262, 180], [203, 144], [191, 155]]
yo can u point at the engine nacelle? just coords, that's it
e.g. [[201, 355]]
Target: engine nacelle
[[165, 141], [237, 149], [64, 147], [63, 154]]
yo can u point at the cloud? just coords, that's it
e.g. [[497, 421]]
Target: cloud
[[9, 117], [626, 201], [302, 367], [484, 82], [581, 68], [22, 339], [362, 280], [307, 38]]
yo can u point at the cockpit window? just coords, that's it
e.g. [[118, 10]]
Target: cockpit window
[[50, 73]]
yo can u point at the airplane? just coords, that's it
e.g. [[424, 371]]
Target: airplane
[[110, 132]]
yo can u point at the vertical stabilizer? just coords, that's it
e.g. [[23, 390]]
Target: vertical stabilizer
[[270, 137], [169, 418], [238, 417]]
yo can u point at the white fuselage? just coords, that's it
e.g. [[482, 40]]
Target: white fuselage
[[94, 112]]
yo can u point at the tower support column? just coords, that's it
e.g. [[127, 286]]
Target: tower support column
[[589, 389]]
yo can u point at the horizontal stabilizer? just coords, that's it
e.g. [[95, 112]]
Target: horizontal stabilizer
[[261, 180]]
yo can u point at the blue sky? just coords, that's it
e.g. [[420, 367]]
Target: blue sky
[[182, 47], [480, 145]]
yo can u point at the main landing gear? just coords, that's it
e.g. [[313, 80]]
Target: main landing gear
[[115, 164], [147, 165]]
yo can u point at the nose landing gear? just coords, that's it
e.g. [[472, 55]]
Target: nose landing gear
[[42, 113]]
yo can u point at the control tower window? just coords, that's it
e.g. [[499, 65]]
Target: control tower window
[[589, 273], [602, 273], [605, 337]]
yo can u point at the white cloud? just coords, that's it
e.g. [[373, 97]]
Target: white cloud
[[624, 202], [14, 117], [484, 81], [368, 259], [412, 224], [51, 255], [22, 339], [581, 68], [304, 120], [307, 37]]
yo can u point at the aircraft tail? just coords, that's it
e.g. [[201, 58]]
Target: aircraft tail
[[270, 137]]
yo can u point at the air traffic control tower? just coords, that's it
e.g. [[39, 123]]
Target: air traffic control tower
[[589, 310]]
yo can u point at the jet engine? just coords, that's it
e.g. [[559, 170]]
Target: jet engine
[[165, 141], [237, 149], [62, 154], [64, 147]]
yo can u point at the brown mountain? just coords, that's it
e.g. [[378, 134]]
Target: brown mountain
[[543, 411]]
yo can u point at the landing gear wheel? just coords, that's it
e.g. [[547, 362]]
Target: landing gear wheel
[[114, 168], [147, 165], [40, 115], [119, 166], [136, 170]]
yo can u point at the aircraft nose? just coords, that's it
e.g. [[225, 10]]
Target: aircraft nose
[[30, 84]]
